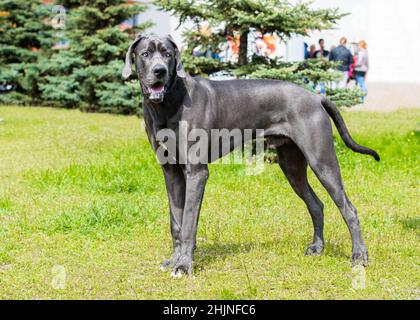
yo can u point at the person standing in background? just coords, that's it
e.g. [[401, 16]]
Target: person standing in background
[[321, 53], [311, 52], [361, 68], [343, 55]]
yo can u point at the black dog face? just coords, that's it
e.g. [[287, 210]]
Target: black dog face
[[157, 63]]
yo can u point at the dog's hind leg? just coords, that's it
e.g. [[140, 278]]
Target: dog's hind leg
[[294, 166], [328, 172], [316, 143]]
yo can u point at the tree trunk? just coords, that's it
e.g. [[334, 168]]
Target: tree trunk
[[243, 48]]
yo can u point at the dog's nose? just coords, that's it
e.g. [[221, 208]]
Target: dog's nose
[[159, 70]]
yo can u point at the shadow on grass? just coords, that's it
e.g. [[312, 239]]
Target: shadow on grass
[[335, 250], [209, 254], [411, 223]]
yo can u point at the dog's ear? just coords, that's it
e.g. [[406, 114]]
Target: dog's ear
[[126, 72], [179, 68]]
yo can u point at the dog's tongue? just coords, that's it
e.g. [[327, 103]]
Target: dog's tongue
[[157, 89]]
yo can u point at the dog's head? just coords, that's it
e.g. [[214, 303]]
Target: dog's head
[[158, 63]]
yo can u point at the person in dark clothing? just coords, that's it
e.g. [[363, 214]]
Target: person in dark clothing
[[342, 54], [311, 52], [321, 53]]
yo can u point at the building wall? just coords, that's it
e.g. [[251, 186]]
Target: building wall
[[164, 23]]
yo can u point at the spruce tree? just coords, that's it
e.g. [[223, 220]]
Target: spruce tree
[[87, 74], [227, 18], [25, 36]]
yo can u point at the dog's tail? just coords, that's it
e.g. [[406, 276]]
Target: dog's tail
[[335, 115]]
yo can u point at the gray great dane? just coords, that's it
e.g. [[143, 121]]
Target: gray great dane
[[295, 120]]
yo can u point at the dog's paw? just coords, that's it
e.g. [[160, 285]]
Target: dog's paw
[[167, 265], [182, 266], [176, 275], [359, 258], [314, 249], [170, 263]]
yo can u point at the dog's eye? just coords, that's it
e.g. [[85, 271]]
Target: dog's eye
[[145, 54], [168, 54]]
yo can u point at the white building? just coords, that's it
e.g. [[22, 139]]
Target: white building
[[164, 23], [391, 29]]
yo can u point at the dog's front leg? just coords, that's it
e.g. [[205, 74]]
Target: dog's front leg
[[196, 178], [175, 188]]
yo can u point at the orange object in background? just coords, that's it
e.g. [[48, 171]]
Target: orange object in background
[[234, 44], [270, 42]]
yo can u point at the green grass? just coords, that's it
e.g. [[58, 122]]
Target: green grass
[[84, 191]]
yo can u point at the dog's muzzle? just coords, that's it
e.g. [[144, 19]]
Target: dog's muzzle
[[156, 92]]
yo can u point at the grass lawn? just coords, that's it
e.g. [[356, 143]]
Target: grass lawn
[[82, 198]]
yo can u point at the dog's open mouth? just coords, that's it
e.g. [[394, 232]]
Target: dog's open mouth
[[156, 91]]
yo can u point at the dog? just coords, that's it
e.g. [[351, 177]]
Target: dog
[[295, 120]]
